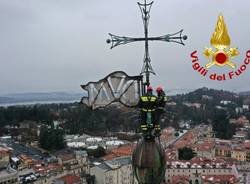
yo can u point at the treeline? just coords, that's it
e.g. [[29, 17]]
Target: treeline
[[79, 119], [16, 114], [76, 118], [82, 119], [51, 139], [221, 126]]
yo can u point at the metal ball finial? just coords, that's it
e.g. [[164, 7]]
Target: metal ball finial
[[108, 41], [184, 37]]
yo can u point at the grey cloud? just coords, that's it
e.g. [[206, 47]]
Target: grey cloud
[[52, 45]]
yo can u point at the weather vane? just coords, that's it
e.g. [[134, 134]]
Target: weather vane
[[147, 68]]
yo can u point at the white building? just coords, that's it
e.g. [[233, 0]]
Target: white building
[[239, 110], [245, 107], [116, 171], [225, 102]]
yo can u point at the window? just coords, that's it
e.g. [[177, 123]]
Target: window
[[196, 181]]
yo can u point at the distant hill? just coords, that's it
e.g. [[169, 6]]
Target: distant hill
[[197, 95], [182, 96], [39, 97], [245, 93]]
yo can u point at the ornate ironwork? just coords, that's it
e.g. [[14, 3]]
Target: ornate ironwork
[[147, 69]]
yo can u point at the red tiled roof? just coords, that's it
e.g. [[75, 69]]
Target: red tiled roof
[[247, 144], [4, 153], [220, 178], [186, 140], [199, 162], [223, 147], [206, 146], [70, 179], [66, 157], [180, 179], [124, 150], [47, 169], [171, 154]]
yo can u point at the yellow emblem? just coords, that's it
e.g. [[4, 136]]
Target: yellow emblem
[[220, 41]]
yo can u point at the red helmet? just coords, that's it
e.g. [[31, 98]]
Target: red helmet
[[159, 89], [149, 88]]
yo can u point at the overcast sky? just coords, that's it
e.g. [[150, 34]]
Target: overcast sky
[[56, 45]]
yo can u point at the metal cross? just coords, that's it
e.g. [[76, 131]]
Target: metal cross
[[122, 40]]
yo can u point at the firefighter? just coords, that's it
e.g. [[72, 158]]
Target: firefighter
[[161, 102], [148, 105]]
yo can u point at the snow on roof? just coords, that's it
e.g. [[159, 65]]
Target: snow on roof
[[200, 163], [92, 147], [96, 163], [94, 139], [114, 143], [15, 159], [76, 144], [5, 137]]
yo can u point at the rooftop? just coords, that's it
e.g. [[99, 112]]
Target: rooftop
[[7, 172], [70, 179], [220, 178], [46, 169], [115, 163], [205, 146], [124, 150], [186, 140], [66, 157], [200, 162], [247, 144]]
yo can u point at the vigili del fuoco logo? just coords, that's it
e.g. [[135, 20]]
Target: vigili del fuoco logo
[[220, 55]]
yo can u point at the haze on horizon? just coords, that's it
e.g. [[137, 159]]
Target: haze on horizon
[[50, 45]]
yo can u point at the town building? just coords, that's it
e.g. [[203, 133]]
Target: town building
[[211, 179], [68, 179], [242, 120], [187, 140], [223, 149], [199, 170], [205, 149], [8, 176], [239, 153], [76, 161], [167, 136], [245, 107], [121, 151], [4, 157], [115, 171]]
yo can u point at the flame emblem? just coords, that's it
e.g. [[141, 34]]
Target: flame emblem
[[220, 41]]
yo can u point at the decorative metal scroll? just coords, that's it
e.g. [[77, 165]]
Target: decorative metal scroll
[[116, 87]]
